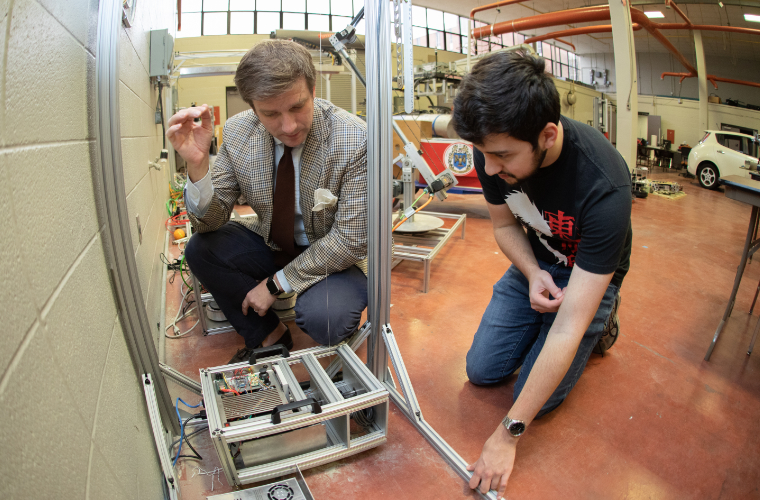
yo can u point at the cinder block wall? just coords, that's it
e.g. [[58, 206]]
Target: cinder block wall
[[74, 422]]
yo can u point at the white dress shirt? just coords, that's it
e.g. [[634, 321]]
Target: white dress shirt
[[198, 198]]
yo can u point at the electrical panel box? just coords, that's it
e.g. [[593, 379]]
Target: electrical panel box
[[306, 409], [161, 53]]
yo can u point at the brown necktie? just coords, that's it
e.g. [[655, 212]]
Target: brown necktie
[[284, 206]]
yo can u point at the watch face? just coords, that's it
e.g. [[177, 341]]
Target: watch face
[[516, 428], [272, 287]]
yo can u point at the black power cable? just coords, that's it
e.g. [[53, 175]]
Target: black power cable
[[161, 105], [197, 455]]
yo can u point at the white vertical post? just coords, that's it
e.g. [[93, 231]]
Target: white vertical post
[[627, 89], [702, 81], [353, 86], [328, 94]]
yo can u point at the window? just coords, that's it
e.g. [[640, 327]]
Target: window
[[339, 22], [453, 43], [318, 6], [192, 6], [436, 39], [249, 5], [267, 22], [268, 6], [451, 23], [342, 8], [294, 5], [435, 19], [419, 17], [291, 21], [215, 23], [419, 36], [319, 23], [241, 23], [191, 25], [431, 27], [464, 23], [215, 5]]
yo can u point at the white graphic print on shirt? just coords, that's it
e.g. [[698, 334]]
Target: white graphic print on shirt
[[528, 213]]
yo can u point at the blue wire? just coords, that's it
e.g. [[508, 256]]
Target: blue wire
[[181, 428]]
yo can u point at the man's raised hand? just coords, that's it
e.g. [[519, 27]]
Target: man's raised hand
[[192, 140]]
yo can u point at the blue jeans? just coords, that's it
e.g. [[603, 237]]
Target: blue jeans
[[511, 334], [232, 260]]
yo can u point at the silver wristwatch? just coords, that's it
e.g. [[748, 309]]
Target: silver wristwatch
[[514, 427]]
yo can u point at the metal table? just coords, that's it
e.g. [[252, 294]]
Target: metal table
[[747, 191], [423, 247]]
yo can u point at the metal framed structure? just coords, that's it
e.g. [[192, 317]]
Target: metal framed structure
[[423, 247], [382, 344], [109, 186], [291, 429]]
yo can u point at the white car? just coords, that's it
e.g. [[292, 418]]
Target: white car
[[720, 154]]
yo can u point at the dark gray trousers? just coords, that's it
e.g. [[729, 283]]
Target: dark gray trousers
[[232, 260]]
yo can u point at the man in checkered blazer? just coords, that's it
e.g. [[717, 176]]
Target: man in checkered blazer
[[276, 155]]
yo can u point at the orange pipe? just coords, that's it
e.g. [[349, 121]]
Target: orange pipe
[[706, 27], [565, 42], [651, 27], [585, 30], [671, 3], [712, 79], [602, 13], [582, 15]]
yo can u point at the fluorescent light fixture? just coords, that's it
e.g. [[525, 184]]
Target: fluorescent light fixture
[[754, 18], [655, 14]]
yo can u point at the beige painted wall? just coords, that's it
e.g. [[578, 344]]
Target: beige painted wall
[[74, 418], [683, 118]]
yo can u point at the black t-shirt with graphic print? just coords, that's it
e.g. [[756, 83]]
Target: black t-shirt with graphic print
[[576, 210]]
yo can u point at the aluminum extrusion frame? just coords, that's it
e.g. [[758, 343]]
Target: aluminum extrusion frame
[[336, 409], [379, 151], [109, 187]]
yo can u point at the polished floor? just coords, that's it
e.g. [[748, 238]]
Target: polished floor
[[649, 420]]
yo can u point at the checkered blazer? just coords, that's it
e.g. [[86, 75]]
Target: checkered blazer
[[334, 157]]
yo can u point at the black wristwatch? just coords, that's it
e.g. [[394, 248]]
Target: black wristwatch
[[514, 427], [272, 286]]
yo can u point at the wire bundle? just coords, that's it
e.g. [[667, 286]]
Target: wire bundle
[[403, 217], [182, 436]]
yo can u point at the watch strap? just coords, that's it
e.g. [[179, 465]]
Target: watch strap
[[272, 286]]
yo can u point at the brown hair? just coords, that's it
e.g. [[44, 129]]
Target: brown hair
[[271, 67]]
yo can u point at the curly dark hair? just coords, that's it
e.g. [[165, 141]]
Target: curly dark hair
[[506, 93]]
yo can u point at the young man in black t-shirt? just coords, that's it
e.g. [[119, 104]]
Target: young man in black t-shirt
[[559, 196]]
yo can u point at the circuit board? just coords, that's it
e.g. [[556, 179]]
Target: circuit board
[[245, 392]]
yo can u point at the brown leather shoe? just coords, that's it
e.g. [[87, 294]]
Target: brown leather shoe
[[243, 355]]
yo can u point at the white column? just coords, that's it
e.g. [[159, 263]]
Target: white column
[[327, 86], [702, 82], [353, 85], [627, 89]]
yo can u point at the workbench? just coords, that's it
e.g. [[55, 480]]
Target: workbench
[[746, 191]]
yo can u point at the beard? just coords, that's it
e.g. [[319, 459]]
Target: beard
[[539, 155]]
